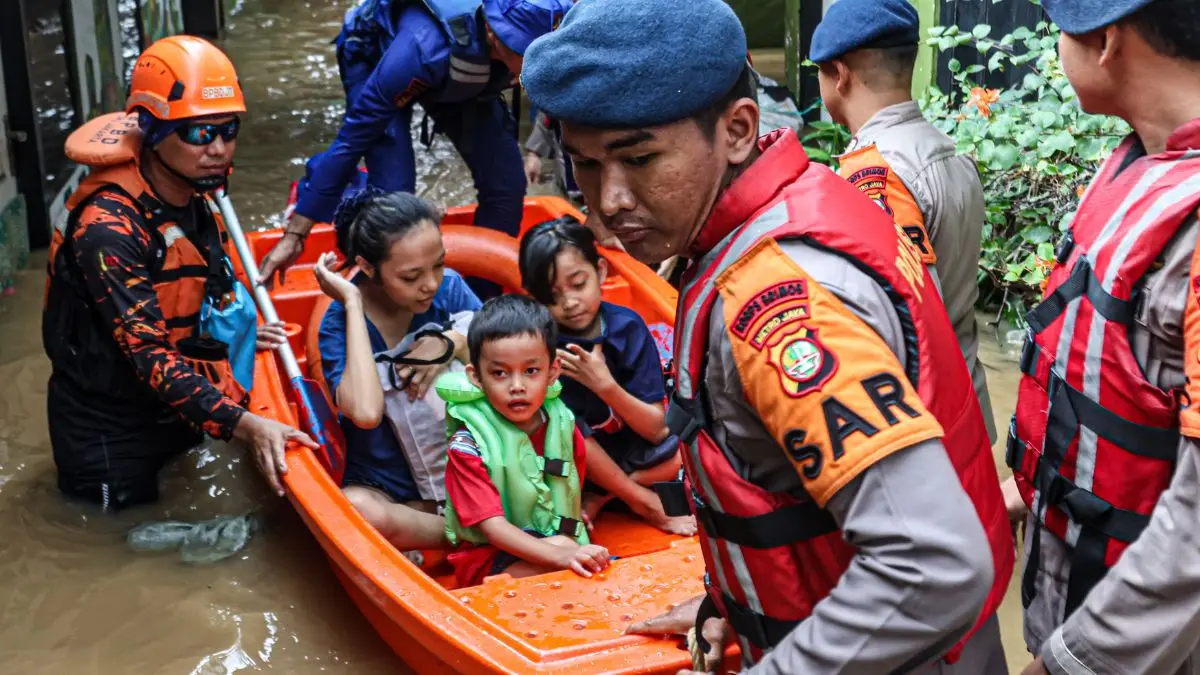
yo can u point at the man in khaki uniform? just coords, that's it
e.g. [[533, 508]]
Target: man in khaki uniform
[[900, 160], [861, 551], [1139, 60]]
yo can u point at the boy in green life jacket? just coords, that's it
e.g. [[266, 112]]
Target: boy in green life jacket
[[516, 459]]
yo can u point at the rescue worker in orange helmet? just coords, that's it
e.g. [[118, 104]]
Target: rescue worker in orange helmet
[[897, 158], [132, 385], [1105, 443], [848, 504]]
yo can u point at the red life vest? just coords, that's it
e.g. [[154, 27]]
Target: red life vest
[[1093, 443], [771, 557]]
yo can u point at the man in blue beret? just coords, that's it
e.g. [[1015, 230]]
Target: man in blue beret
[[1127, 353], [841, 534], [867, 50], [454, 57]]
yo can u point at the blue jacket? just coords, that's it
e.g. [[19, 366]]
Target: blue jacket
[[422, 56]]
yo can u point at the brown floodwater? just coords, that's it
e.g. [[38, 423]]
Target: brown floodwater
[[73, 597]]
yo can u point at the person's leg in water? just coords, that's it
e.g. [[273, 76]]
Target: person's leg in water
[[633, 489], [484, 133], [405, 527]]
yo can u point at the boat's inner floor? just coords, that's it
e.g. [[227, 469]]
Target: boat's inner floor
[[653, 572]]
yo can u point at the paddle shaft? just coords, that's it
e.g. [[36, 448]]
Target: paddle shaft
[[261, 295]]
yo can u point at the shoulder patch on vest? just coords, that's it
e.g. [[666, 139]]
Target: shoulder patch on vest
[[826, 386], [867, 170], [410, 93]]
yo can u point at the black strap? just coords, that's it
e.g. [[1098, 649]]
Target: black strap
[[1161, 443], [761, 630], [555, 467], [674, 497], [707, 610], [569, 527], [789, 525], [220, 277], [1081, 282], [403, 360], [685, 418]]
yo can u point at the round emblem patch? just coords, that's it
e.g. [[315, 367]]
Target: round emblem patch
[[802, 360]]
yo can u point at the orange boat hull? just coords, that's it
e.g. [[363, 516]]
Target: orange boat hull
[[554, 623]]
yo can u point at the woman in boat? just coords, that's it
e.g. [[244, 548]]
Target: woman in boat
[[391, 330], [614, 380]]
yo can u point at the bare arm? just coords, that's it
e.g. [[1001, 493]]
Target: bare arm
[[583, 560], [359, 394]]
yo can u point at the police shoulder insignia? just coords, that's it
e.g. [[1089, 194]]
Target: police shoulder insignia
[[410, 93], [803, 362], [873, 181]]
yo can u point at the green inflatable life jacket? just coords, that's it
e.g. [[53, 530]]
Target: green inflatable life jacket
[[539, 493]]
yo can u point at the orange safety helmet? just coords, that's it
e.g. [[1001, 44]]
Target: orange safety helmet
[[184, 76]]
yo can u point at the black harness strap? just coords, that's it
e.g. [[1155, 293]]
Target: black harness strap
[[1082, 282], [761, 630]]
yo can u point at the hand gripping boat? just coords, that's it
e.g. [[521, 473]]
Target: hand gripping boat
[[554, 623]]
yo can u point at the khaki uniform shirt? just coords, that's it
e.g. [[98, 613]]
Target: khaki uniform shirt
[[913, 170]]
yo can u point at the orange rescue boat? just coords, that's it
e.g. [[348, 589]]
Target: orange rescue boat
[[554, 623]]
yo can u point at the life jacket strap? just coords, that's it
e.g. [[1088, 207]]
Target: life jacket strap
[[761, 630], [674, 497], [1082, 282], [568, 527], [685, 418], [553, 467], [784, 526]]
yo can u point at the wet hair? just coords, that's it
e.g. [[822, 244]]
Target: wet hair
[[510, 316], [540, 248], [1171, 27], [371, 220], [746, 86]]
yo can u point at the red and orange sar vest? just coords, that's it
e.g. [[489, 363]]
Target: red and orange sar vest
[[770, 556], [111, 145], [1093, 443]]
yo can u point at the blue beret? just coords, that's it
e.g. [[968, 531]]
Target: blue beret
[[1084, 16], [519, 22], [621, 64], [851, 25]]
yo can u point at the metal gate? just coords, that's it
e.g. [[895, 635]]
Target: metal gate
[[1004, 16]]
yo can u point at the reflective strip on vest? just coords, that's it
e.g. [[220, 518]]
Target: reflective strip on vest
[[1085, 459], [722, 256], [719, 259], [469, 72]]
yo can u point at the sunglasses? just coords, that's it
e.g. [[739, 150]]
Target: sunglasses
[[204, 133]]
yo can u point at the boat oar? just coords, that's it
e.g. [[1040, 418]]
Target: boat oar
[[319, 420]]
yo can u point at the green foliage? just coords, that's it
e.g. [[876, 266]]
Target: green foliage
[[825, 142], [1035, 149]]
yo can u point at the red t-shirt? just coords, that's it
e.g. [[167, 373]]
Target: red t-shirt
[[476, 498]]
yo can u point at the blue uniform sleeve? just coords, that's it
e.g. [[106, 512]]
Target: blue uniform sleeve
[[331, 340], [641, 361], [403, 73]]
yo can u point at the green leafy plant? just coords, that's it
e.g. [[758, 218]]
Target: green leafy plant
[[1035, 149], [825, 141]]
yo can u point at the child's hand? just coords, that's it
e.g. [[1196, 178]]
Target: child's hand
[[333, 284], [270, 336], [587, 368], [585, 560]]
